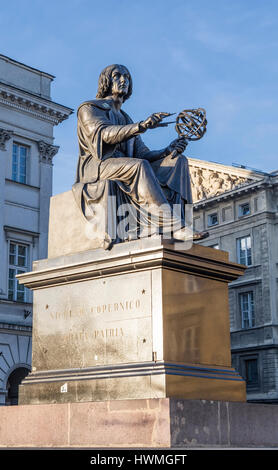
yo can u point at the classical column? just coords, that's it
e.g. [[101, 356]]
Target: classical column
[[46, 154], [4, 136]]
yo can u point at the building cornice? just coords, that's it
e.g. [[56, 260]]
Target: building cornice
[[5, 135], [235, 193], [226, 169], [35, 105], [245, 282]]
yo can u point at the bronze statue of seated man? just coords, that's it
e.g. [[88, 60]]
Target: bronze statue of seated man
[[114, 162]]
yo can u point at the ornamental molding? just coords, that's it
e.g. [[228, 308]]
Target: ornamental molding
[[209, 180], [5, 135], [31, 104], [47, 151]]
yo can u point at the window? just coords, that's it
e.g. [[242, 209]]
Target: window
[[244, 250], [244, 209], [212, 219], [18, 264], [247, 309], [251, 373], [19, 163]]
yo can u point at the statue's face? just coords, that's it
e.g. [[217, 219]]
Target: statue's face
[[119, 81]]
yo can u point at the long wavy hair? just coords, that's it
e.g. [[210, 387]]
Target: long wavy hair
[[104, 82]]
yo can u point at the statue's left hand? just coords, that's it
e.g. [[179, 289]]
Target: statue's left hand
[[178, 146]]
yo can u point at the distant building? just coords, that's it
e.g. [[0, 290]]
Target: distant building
[[27, 118], [239, 208]]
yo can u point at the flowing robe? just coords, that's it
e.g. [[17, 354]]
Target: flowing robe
[[113, 171]]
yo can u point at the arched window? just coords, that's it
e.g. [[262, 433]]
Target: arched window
[[14, 380]]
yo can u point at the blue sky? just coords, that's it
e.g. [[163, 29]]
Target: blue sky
[[217, 54]]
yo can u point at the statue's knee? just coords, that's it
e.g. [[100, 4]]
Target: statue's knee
[[144, 164], [181, 160]]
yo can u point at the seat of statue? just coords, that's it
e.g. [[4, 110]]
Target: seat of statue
[[70, 232]]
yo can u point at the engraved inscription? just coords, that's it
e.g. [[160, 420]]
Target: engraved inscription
[[95, 334], [99, 321], [109, 333], [67, 314], [117, 306], [124, 306]]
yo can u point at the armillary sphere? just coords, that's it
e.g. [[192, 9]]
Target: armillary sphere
[[191, 123]]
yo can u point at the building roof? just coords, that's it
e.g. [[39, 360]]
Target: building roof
[[27, 67]]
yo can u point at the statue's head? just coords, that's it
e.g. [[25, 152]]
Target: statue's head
[[105, 81]]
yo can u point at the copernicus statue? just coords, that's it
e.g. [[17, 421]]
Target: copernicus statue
[[115, 162]]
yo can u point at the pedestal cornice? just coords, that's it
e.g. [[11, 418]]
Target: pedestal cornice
[[124, 258]]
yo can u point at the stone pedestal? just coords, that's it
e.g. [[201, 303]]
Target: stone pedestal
[[141, 321]]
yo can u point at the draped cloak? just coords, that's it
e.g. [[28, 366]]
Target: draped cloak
[[113, 170]]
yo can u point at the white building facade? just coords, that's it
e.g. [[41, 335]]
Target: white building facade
[[27, 118]]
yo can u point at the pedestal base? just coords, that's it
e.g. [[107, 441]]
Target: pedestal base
[[131, 381], [145, 320], [154, 423]]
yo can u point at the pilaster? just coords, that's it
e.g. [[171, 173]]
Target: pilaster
[[46, 153], [5, 135]]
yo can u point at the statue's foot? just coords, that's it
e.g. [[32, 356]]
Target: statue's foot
[[107, 242], [186, 234], [200, 236]]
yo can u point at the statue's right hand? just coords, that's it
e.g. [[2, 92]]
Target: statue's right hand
[[153, 120]]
